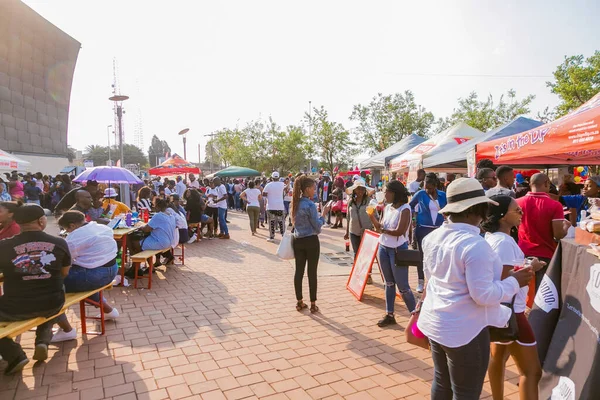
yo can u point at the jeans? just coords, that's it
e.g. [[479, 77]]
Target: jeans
[[395, 276], [236, 198], [459, 372], [222, 223], [276, 219], [83, 279], [9, 350], [253, 212], [286, 205], [34, 202], [306, 249], [420, 233], [355, 241], [213, 212]]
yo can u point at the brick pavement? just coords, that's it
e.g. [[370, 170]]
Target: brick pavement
[[224, 327]]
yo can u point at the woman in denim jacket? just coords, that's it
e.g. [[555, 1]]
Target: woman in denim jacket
[[307, 226]]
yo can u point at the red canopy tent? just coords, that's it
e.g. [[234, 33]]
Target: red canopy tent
[[571, 140], [174, 165]]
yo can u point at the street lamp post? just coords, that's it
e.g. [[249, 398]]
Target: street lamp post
[[183, 133], [119, 99], [212, 135], [108, 135]]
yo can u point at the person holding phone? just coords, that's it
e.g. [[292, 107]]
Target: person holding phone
[[501, 219]]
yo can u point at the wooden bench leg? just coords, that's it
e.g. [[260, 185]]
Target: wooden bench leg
[[84, 317], [82, 313], [150, 268], [136, 266]]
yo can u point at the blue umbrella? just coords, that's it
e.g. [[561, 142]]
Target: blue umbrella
[[108, 175]]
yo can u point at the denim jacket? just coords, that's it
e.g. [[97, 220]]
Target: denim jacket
[[308, 221]]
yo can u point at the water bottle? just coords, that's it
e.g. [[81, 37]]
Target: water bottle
[[128, 219]]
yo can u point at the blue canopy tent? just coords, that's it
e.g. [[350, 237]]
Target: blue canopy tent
[[455, 160]]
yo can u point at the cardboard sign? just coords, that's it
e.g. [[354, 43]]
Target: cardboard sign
[[363, 264]]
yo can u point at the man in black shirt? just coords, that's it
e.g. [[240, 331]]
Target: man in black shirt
[[34, 264]]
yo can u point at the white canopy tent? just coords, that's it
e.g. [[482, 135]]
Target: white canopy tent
[[457, 157], [379, 160], [438, 144], [9, 162]]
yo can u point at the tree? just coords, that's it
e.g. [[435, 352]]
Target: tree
[[576, 81], [71, 153], [97, 154], [331, 141], [132, 154], [388, 119], [158, 148], [487, 115]]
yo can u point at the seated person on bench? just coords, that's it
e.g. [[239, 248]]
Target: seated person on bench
[[94, 265], [34, 264], [162, 232]]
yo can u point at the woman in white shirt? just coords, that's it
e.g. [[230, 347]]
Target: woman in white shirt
[[463, 294], [498, 224], [94, 253], [253, 197], [394, 225]]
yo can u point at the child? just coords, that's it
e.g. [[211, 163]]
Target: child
[[337, 205]]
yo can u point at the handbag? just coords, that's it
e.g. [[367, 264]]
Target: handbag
[[414, 335], [508, 333], [408, 258], [285, 251]]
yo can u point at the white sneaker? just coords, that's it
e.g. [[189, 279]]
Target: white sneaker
[[62, 336], [420, 286], [114, 314], [270, 240], [192, 239]]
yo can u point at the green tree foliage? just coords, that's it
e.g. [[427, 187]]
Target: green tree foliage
[[387, 119], [70, 153], [576, 81], [331, 141], [131, 153], [260, 145], [487, 115], [158, 148]]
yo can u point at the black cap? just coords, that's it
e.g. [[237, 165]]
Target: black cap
[[28, 213]]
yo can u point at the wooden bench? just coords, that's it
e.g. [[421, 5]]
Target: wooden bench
[[15, 328], [147, 257], [181, 255]]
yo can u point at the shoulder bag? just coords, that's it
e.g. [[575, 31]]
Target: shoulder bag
[[510, 332]]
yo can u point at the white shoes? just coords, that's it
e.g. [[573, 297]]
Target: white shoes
[[192, 239], [62, 336], [420, 286], [270, 240], [114, 314]]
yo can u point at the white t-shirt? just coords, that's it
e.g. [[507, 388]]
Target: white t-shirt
[[434, 207], [92, 245], [252, 197], [510, 254], [180, 189], [274, 194], [212, 203], [390, 221], [288, 193], [194, 184], [414, 187], [222, 192]]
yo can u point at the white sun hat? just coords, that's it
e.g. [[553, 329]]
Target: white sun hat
[[464, 193], [360, 183]]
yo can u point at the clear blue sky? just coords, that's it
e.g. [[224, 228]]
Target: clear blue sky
[[213, 64]]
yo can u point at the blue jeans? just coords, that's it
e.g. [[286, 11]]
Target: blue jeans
[[236, 199], [222, 223], [395, 276], [82, 279], [459, 372], [286, 206]]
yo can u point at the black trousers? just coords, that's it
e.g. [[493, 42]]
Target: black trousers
[[306, 250], [9, 349]]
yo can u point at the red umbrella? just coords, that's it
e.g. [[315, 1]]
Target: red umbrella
[[174, 165]]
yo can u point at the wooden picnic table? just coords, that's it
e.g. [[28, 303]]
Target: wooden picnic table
[[120, 234]]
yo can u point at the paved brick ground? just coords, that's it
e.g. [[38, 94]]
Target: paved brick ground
[[224, 327]]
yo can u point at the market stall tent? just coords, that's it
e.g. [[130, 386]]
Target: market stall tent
[[9, 162], [379, 160], [442, 142], [235, 172], [570, 140], [174, 165], [456, 158]]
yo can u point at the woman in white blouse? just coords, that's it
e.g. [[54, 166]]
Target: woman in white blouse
[[394, 225], [463, 295], [94, 253], [498, 224]]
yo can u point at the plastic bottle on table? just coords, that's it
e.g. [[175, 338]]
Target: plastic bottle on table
[[128, 219]]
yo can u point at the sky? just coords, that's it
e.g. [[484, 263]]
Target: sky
[[206, 65]]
